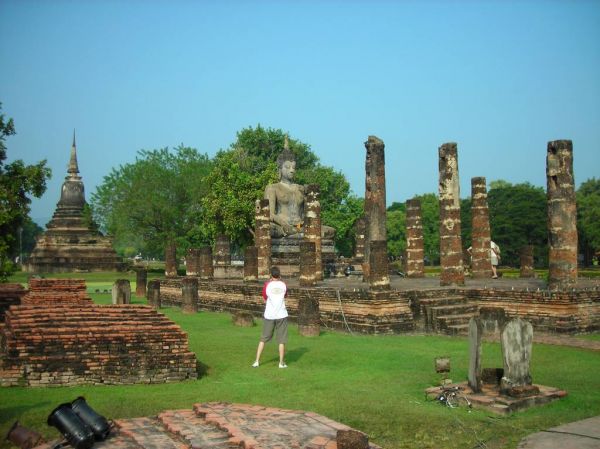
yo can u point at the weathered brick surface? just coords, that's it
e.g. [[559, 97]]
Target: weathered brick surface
[[451, 253], [69, 344], [308, 264], [221, 425], [55, 291], [481, 264], [363, 311], [251, 264], [205, 263], [562, 215], [222, 250], [262, 238], [192, 262], [415, 249], [312, 226], [10, 294], [527, 262], [171, 259]]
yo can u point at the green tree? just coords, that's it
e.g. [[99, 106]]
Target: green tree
[[154, 200], [396, 231], [518, 217], [17, 182], [242, 172], [588, 218]]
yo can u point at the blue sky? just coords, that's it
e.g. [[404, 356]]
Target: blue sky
[[501, 78]]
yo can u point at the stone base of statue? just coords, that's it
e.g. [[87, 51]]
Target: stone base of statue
[[285, 254]]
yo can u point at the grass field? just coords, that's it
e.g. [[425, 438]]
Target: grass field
[[372, 383]]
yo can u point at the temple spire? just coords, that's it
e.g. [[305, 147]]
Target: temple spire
[[73, 167]]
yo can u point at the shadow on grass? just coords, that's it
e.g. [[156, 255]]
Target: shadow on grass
[[8, 415], [295, 354]]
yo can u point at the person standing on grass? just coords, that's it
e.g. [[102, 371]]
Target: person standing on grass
[[275, 317], [495, 258]]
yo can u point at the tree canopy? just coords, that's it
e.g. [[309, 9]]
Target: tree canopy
[[153, 200], [241, 173], [17, 182], [588, 217]]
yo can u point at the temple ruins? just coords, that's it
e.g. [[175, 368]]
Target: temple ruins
[[69, 243]]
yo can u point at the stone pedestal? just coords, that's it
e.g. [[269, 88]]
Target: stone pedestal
[[189, 295], [205, 262], [312, 225], [475, 335], [562, 215], [262, 238], [154, 293], [481, 263], [307, 264], [379, 278], [415, 264], [141, 277], [121, 292], [450, 239], [285, 254], [309, 318], [251, 264], [192, 262], [222, 250], [375, 208], [527, 264], [170, 259]]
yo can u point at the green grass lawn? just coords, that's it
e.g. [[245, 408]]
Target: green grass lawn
[[372, 383]]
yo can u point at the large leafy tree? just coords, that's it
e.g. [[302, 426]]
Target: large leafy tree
[[588, 218], [154, 200], [430, 213], [17, 182], [242, 172], [518, 217]]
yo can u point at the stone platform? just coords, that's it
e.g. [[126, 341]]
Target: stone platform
[[491, 400], [219, 425], [411, 305]]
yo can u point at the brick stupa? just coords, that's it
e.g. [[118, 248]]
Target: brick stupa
[[69, 243]]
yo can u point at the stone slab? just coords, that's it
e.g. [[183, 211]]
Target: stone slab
[[584, 434]]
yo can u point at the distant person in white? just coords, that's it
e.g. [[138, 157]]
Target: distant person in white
[[275, 317], [495, 256]]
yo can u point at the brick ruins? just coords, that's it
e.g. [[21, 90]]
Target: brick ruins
[[221, 425], [451, 252], [57, 336], [69, 243], [415, 267], [262, 238], [312, 226], [481, 264], [562, 215]]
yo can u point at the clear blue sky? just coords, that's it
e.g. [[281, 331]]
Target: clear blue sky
[[501, 78]]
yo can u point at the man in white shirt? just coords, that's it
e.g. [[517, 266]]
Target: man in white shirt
[[275, 316], [495, 258]]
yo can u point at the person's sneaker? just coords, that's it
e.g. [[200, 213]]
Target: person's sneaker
[[255, 364], [282, 365]]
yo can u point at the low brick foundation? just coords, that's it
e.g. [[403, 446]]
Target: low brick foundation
[[54, 291], [90, 344], [402, 310], [362, 311], [10, 295]]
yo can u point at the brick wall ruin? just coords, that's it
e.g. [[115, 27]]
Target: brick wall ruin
[[89, 344], [56, 291]]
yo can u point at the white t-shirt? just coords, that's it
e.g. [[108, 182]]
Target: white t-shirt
[[494, 251], [275, 291]]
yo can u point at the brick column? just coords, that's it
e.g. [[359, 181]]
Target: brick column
[[481, 262], [375, 211], [312, 225], [121, 292], [307, 264], [262, 238], [192, 261], [251, 264], [154, 293], [189, 295], [379, 278], [360, 227], [309, 318], [562, 215], [170, 259], [415, 249], [206, 270], [222, 250], [450, 239], [527, 266], [141, 278]]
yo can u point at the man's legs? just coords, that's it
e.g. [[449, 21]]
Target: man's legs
[[281, 353], [259, 350], [494, 273]]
